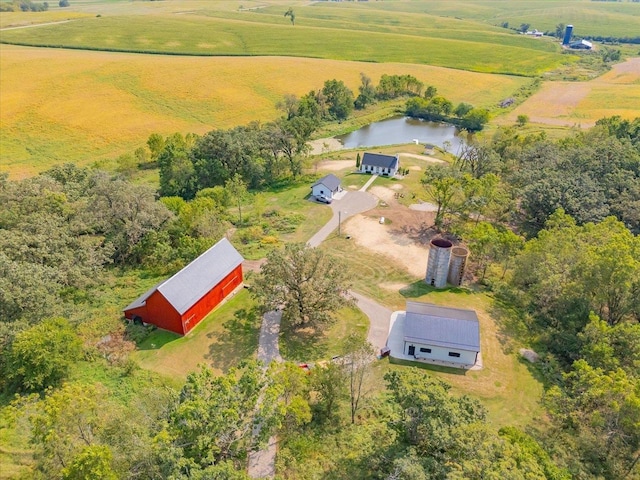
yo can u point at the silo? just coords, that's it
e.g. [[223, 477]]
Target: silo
[[567, 35], [457, 265], [438, 262]]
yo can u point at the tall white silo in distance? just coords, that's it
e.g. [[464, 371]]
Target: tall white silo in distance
[[457, 265], [438, 262]]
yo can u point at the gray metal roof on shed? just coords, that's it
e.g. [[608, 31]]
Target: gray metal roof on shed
[[330, 181], [191, 283], [442, 326], [380, 160]]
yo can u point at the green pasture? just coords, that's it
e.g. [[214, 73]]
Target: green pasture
[[191, 35], [619, 19], [365, 18]]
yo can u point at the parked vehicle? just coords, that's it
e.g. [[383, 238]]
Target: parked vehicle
[[324, 199]]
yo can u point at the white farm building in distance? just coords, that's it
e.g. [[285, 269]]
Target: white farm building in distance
[[441, 334]]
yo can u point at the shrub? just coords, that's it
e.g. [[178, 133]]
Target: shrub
[[63, 3], [41, 356]]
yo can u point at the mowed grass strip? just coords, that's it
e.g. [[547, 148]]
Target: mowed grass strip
[[310, 345], [68, 105], [214, 36]]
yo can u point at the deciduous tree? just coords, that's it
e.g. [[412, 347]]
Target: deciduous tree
[[306, 282], [442, 184], [42, 355]]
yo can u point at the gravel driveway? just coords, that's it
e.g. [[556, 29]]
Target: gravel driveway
[[351, 204]]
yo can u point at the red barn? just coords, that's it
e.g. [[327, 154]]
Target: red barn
[[181, 302]]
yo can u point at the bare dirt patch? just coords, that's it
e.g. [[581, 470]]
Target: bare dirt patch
[[404, 237], [383, 193], [393, 287], [335, 165], [325, 145], [424, 207]]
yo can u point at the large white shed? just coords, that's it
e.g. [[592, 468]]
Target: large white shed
[[442, 334]]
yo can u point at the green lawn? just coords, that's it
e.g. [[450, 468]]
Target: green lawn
[[507, 386], [309, 345], [223, 339]]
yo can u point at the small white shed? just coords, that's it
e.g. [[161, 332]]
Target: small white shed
[[449, 335], [327, 186]]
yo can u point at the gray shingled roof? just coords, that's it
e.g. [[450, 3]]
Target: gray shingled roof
[[191, 283], [330, 181], [379, 160], [441, 326]]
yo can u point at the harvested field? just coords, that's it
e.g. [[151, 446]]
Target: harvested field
[[85, 107], [617, 92]]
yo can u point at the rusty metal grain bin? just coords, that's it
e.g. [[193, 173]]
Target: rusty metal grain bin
[[457, 265], [438, 262]]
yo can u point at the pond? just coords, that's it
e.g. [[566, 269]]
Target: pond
[[398, 130]]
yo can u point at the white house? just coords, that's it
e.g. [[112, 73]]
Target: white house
[[327, 186], [380, 164], [449, 335]]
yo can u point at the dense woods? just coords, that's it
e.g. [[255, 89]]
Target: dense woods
[[554, 230]]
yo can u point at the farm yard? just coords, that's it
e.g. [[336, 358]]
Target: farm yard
[[134, 136]]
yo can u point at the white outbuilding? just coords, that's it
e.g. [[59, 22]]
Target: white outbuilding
[[327, 186], [441, 334]]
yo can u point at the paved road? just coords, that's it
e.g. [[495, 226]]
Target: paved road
[[378, 319], [351, 204]]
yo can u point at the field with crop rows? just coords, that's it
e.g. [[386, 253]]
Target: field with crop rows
[[619, 19], [69, 105], [199, 35]]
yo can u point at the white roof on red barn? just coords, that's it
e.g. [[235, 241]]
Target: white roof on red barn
[[442, 326], [190, 284]]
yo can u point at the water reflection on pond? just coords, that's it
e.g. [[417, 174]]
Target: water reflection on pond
[[397, 130]]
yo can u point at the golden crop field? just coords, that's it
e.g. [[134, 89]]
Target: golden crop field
[[617, 92], [69, 105]]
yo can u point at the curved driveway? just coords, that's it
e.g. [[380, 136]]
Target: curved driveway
[[351, 204]]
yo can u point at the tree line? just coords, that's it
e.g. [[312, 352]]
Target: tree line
[[436, 108], [553, 230]]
